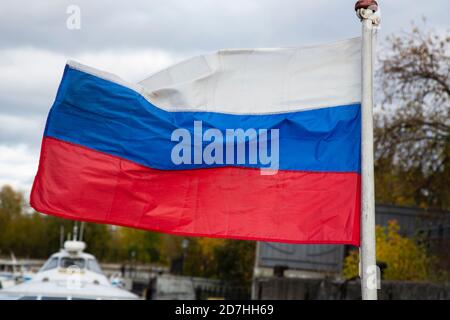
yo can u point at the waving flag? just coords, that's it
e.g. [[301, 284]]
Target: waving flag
[[257, 144]]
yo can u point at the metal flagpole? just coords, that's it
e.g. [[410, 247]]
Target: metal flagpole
[[368, 271]]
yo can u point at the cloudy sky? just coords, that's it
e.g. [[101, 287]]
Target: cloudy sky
[[136, 38]]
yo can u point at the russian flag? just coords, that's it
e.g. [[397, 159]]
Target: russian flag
[[259, 144]]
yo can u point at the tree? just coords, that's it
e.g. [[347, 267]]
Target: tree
[[412, 141], [231, 261], [142, 246], [237, 259], [33, 235], [200, 257], [11, 202], [21, 233], [412, 131], [405, 258]]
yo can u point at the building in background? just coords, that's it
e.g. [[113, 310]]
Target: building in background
[[326, 261]]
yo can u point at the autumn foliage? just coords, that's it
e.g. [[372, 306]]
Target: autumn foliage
[[406, 259]]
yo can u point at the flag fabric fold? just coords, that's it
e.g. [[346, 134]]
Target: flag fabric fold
[[259, 144]]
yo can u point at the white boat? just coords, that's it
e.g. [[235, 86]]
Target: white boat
[[70, 274]]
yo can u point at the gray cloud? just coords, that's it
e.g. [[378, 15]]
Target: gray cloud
[[196, 25], [29, 77]]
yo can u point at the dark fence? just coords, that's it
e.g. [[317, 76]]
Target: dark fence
[[222, 292], [316, 289]]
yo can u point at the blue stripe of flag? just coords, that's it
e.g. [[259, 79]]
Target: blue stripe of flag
[[111, 118]]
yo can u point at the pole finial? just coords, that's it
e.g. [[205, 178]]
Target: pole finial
[[366, 10], [366, 4]]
